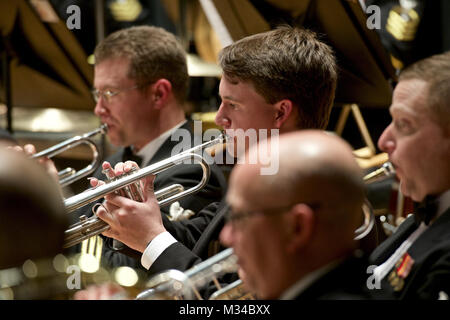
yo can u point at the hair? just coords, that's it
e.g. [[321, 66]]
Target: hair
[[435, 71], [154, 54], [286, 63]]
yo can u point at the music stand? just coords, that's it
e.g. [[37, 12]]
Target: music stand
[[43, 63]]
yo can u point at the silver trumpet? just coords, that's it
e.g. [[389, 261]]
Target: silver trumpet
[[69, 175], [386, 170], [128, 185], [176, 285]]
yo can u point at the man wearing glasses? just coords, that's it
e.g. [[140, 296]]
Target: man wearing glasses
[[140, 86], [283, 79], [293, 232]]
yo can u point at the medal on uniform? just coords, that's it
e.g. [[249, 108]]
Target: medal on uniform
[[400, 272]]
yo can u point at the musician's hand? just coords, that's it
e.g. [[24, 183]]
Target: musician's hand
[[110, 173], [46, 162], [124, 167], [106, 291], [131, 222], [107, 170]]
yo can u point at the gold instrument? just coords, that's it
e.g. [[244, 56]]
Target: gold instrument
[[60, 277], [69, 175], [176, 285], [129, 185], [385, 171]]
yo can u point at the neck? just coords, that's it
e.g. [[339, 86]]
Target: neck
[[161, 121]]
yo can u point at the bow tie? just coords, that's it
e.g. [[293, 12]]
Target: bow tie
[[128, 155], [426, 210]]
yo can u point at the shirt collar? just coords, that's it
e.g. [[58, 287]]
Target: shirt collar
[[149, 150]]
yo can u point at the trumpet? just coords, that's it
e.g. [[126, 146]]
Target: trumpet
[[174, 284], [386, 170], [69, 175], [88, 227]]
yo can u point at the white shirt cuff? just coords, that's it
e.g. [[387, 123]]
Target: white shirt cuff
[[157, 246]]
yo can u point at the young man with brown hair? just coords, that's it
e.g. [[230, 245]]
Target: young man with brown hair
[[284, 79]]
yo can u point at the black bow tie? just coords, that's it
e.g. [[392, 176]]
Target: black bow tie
[[128, 155], [426, 210]]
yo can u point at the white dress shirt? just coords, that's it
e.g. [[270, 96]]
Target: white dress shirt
[[149, 150], [163, 240]]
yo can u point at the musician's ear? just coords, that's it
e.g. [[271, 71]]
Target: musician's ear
[[283, 112], [160, 92], [301, 226]]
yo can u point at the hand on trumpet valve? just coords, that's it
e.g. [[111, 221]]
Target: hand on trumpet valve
[[135, 223]]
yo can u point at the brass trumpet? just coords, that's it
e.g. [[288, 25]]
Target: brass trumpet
[[88, 227], [386, 170], [174, 284], [69, 175]]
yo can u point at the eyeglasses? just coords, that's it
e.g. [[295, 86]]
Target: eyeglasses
[[238, 218], [108, 94]]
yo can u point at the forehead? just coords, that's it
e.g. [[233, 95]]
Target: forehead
[[113, 69], [239, 91], [239, 185], [410, 96], [247, 188]]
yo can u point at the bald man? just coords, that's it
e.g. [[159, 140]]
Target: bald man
[[293, 231]]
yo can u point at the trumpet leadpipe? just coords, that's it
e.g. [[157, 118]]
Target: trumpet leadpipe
[[386, 170], [91, 195]]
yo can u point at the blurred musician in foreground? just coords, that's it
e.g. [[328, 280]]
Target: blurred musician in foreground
[[140, 86], [6, 138], [293, 232], [284, 79], [414, 263], [32, 213]]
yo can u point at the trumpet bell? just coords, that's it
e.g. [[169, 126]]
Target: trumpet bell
[[69, 175], [175, 285]]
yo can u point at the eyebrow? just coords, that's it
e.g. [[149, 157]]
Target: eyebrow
[[230, 98], [402, 109]]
